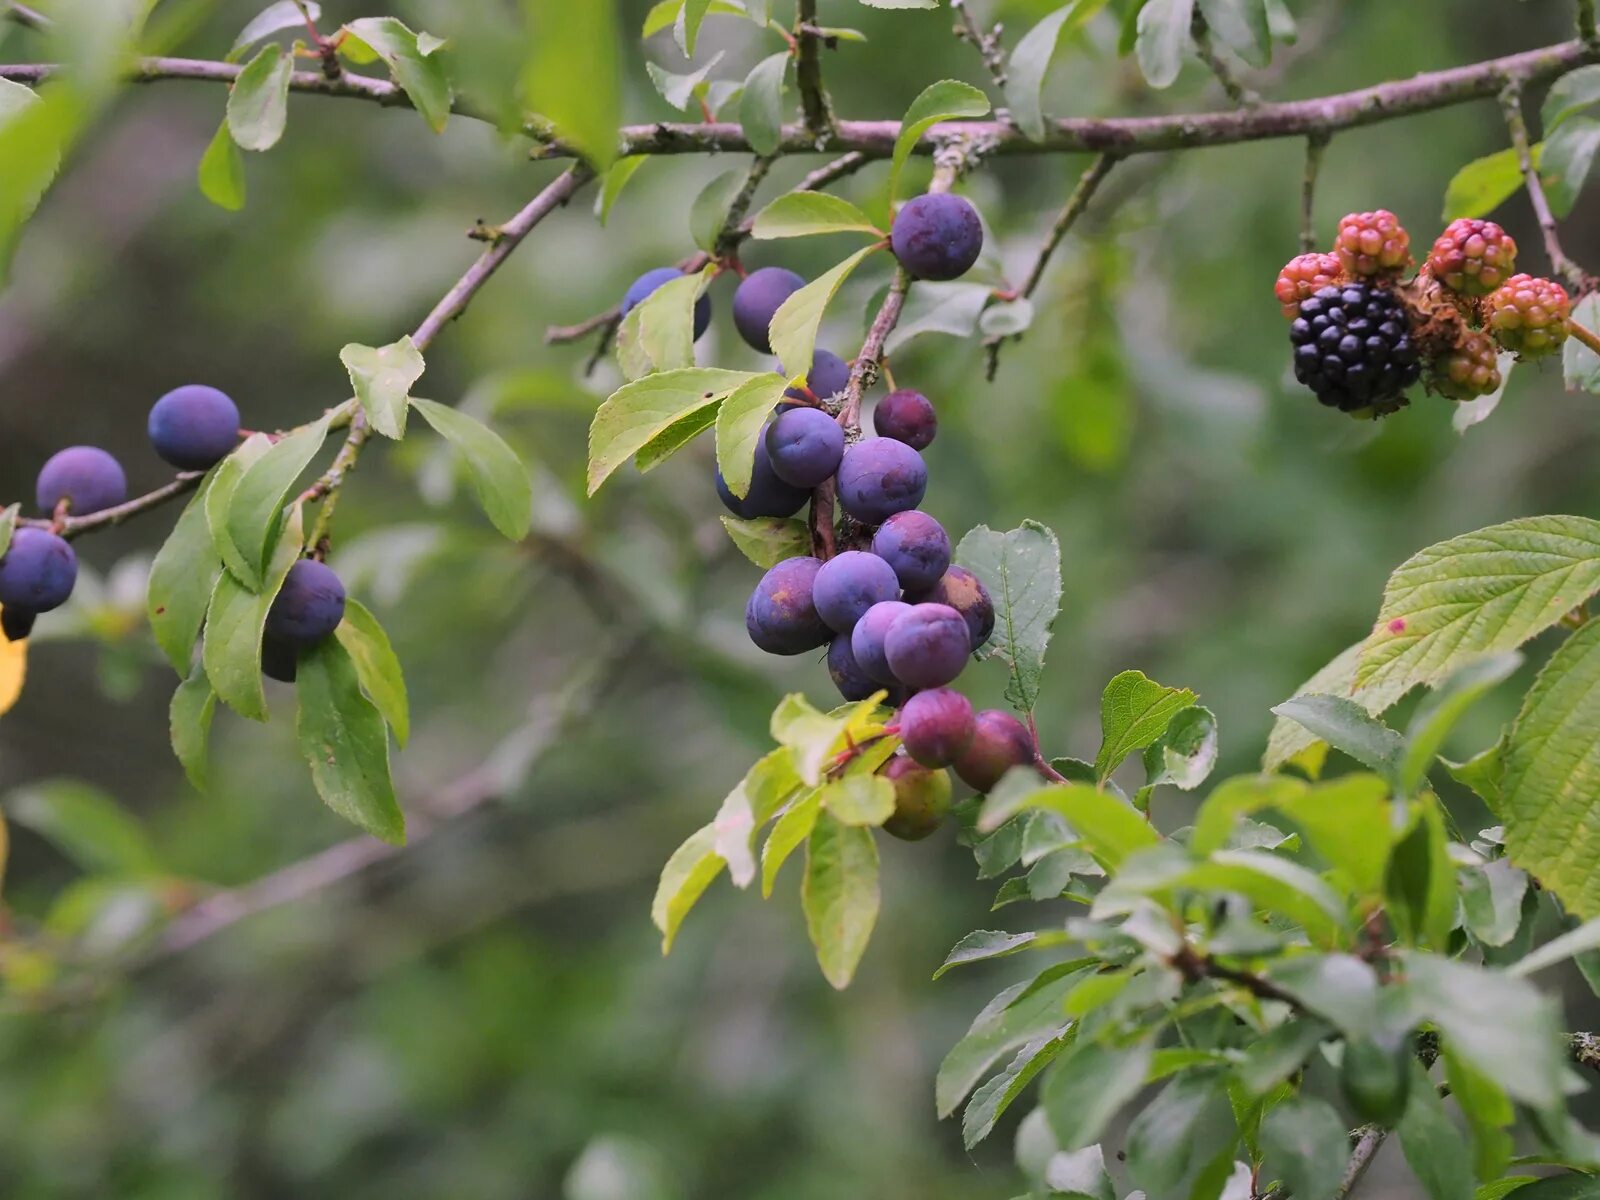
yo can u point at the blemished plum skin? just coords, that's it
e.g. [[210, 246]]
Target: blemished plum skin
[[641, 288], [781, 615], [760, 294], [850, 583], [866, 639], [921, 799], [964, 592], [908, 417], [37, 571], [854, 683], [937, 236], [916, 546], [768, 496], [86, 477], [879, 478], [194, 427], [309, 606], [16, 623], [804, 446], [928, 646], [829, 375], [936, 726], [279, 660], [999, 742]]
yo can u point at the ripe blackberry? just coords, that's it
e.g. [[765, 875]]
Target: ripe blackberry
[[1473, 257], [1372, 245], [1528, 316], [1303, 277], [1467, 371], [1353, 348]]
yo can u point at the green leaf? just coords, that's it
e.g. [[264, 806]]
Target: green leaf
[[1134, 711], [572, 75], [1481, 773], [344, 739], [761, 104], [680, 90], [1022, 570], [193, 705], [1340, 988], [1292, 742], [981, 945], [376, 665], [1348, 823], [1183, 1137], [840, 895], [814, 736], [235, 621], [255, 510], [990, 1101], [754, 800], [221, 171], [1420, 880], [865, 800], [86, 825], [1087, 1088], [382, 378], [946, 100], [691, 869], [275, 17], [181, 579], [499, 479], [687, 26], [1305, 1144], [664, 14], [421, 74], [1345, 726], [1486, 183], [218, 496], [792, 829], [615, 180], [1479, 593], [794, 326], [709, 213], [1581, 365], [801, 214], [1030, 63], [1163, 39], [1572, 93], [1551, 787], [8, 525], [1242, 26], [1269, 1061], [1568, 155], [1433, 1146], [1488, 1111], [1584, 938], [1235, 798], [1020, 1014], [658, 335], [1491, 901], [1110, 827], [1186, 751], [1275, 885], [767, 541], [35, 134], [258, 104], [1449, 702]]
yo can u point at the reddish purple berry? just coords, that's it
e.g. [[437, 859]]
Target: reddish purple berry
[[908, 417], [928, 646], [999, 742], [866, 639], [86, 477], [937, 236], [936, 726], [964, 592], [782, 614], [916, 546]]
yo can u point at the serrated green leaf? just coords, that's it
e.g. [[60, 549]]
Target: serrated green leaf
[[741, 420], [1347, 822], [840, 895], [767, 541], [680, 90], [1186, 751], [1021, 568], [754, 800], [637, 412], [499, 480], [1491, 900], [946, 100], [258, 104], [572, 76], [794, 326], [1345, 726], [691, 869], [761, 104], [182, 576], [1163, 40], [382, 377], [1445, 706], [377, 666], [686, 27], [35, 134], [275, 17], [990, 1101], [981, 945], [801, 214], [1292, 742], [235, 621], [255, 510], [658, 335], [1484, 184], [220, 174], [1268, 1061], [1087, 1088], [420, 74], [193, 704], [1480, 593], [1018, 1015], [1109, 826], [219, 496], [1134, 711], [344, 739], [615, 180]]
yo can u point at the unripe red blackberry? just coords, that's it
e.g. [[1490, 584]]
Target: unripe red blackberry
[[1303, 277], [1528, 316], [1473, 257], [1469, 370], [1372, 245], [1353, 348]]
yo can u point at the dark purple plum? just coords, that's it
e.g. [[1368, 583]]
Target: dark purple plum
[[850, 583], [906, 416], [16, 623], [999, 742], [964, 592], [921, 799], [760, 294], [768, 496], [936, 726], [86, 477], [647, 283], [309, 606], [829, 375], [928, 646], [879, 478], [804, 446], [37, 572], [194, 427], [782, 613], [937, 236], [916, 546], [854, 683], [866, 639], [280, 660]]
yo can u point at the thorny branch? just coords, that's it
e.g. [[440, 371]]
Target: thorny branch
[[988, 45]]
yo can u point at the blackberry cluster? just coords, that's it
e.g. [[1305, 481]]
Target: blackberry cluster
[[1353, 348]]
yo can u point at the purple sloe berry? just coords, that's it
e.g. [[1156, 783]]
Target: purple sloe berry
[[936, 726], [916, 546], [866, 639], [760, 294], [928, 646], [767, 496], [309, 606], [964, 592], [37, 571], [937, 236], [647, 283], [280, 660], [879, 478], [829, 375], [906, 416], [782, 613], [86, 477], [921, 799], [194, 427], [850, 583], [999, 742], [854, 683], [804, 446]]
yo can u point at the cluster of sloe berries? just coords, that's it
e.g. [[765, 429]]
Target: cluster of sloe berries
[[1361, 335], [192, 428], [891, 608]]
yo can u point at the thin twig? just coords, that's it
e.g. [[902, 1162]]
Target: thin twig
[[27, 17], [988, 45], [71, 527], [1218, 66], [808, 73], [1368, 1141], [1316, 147], [1511, 106], [730, 235]]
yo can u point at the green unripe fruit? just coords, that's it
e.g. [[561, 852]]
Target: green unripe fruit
[[921, 799], [1376, 1079]]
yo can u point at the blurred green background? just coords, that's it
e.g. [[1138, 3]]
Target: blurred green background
[[487, 1014]]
